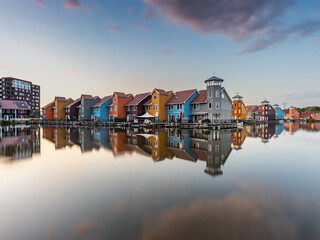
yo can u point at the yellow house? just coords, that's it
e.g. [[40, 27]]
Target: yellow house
[[156, 106], [59, 108], [239, 110]]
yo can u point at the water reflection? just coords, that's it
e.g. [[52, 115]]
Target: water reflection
[[19, 142], [157, 184]]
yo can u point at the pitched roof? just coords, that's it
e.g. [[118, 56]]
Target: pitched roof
[[60, 98], [122, 94], [138, 98], [72, 103], [201, 98], [251, 108], [148, 102], [11, 104], [237, 96], [181, 96], [48, 105], [161, 91], [103, 100], [265, 101], [86, 96]]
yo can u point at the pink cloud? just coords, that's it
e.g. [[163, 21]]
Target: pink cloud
[[39, 2], [113, 29], [72, 4]]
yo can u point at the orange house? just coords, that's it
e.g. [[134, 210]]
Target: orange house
[[48, 111], [238, 137], [291, 114], [156, 106], [238, 108], [117, 108]]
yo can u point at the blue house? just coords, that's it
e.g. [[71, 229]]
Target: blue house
[[279, 112], [99, 111], [178, 107]]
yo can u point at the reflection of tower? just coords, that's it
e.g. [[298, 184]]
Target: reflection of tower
[[214, 147]]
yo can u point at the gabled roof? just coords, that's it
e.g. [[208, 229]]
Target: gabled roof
[[181, 96], [72, 103], [11, 104], [102, 101], [251, 108], [48, 105], [137, 99], [161, 91], [86, 96], [122, 94], [149, 102], [237, 96], [201, 98], [60, 99]]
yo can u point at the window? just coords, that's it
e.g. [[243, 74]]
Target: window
[[114, 99], [115, 108], [222, 95], [155, 107], [194, 106], [239, 104], [210, 94], [155, 97], [179, 106], [217, 105], [210, 106], [239, 110], [217, 93], [170, 107], [235, 111]]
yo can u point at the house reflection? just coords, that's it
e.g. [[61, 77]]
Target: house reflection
[[214, 147], [262, 131], [238, 137], [19, 142], [278, 129], [291, 127]]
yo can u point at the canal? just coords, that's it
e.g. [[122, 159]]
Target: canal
[[258, 182]]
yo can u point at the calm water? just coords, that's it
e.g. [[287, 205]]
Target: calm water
[[76, 183]]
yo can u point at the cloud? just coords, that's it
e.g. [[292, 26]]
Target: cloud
[[113, 27], [168, 52], [256, 214], [39, 2], [298, 31], [4, 67], [72, 4], [234, 18], [258, 22], [83, 227]]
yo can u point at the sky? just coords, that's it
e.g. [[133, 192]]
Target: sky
[[262, 49]]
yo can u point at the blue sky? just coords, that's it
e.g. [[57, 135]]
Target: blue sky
[[262, 49]]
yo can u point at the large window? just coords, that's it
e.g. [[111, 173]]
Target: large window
[[155, 107], [170, 107], [217, 93], [179, 106]]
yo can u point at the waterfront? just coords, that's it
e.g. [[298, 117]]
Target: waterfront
[[82, 183]]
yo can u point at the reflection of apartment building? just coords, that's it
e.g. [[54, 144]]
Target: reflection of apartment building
[[214, 147], [19, 143]]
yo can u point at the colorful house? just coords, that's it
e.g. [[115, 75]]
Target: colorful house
[[213, 104], [279, 112], [72, 110], [100, 111], [136, 107], [250, 110], [48, 111], [59, 108], [179, 107], [265, 112], [156, 106], [238, 108], [85, 106], [238, 137], [292, 114], [14, 110], [117, 107]]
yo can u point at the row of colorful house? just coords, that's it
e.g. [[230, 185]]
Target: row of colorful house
[[212, 103]]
